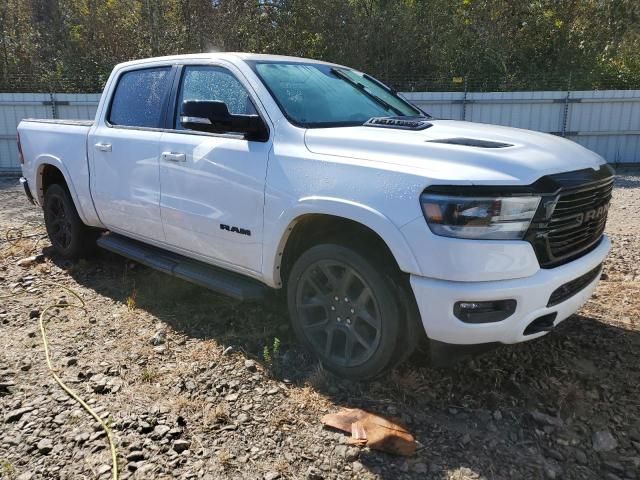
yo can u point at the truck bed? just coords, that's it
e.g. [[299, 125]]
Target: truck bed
[[62, 144]]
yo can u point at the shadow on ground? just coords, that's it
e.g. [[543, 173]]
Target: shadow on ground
[[522, 411]]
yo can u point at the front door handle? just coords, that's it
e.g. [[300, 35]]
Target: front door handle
[[103, 147], [174, 157]]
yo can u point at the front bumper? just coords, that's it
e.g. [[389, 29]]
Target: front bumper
[[436, 298]]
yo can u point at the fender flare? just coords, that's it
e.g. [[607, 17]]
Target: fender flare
[[275, 242], [39, 164]]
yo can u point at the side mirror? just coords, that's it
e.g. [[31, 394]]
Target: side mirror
[[214, 117]]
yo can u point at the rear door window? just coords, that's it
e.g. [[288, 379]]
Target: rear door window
[[140, 97]]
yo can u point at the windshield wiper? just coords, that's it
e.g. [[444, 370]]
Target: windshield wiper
[[363, 89]]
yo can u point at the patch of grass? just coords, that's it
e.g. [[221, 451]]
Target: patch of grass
[[271, 354], [319, 378], [131, 301], [7, 469], [149, 375], [224, 458], [217, 414]]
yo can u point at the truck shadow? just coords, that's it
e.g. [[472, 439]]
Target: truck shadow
[[529, 408]]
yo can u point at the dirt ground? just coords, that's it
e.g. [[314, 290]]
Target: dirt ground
[[195, 385]]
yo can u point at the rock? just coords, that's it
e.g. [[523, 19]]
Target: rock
[[314, 473], [103, 469], [420, 468], [159, 338], [135, 456], [25, 476], [29, 261], [613, 466], [555, 454], [145, 427], [232, 397], [99, 384], [190, 385], [144, 470], [611, 476], [114, 385], [250, 365], [160, 431], [466, 438], [497, 415], [12, 440], [581, 457], [81, 437], [15, 415], [271, 476], [242, 418], [45, 446], [545, 419], [604, 441], [550, 472], [181, 445]]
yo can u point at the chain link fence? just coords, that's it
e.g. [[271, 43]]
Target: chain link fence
[[574, 80]]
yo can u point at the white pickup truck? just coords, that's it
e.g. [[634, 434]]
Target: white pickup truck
[[245, 173]]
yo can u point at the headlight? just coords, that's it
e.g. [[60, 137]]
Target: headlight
[[488, 218]]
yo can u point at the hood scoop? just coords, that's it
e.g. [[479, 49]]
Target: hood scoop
[[472, 142], [401, 123]]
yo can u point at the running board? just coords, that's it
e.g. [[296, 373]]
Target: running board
[[200, 273]]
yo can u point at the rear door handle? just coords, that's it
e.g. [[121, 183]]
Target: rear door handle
[[174, 157], [103, 147]]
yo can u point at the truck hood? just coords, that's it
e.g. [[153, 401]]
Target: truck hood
[[461, 152]]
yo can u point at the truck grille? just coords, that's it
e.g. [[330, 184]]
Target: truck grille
[[575, 225]]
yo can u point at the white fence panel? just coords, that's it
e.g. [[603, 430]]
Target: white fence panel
[[607, 122], [16, 106]]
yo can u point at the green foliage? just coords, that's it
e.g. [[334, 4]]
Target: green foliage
[[73, 44], [271, 355]]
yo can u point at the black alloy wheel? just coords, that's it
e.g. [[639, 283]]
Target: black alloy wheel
[[344, 308], [68, 235]]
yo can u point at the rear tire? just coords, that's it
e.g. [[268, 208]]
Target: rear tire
[[69, 237], [347, 311]]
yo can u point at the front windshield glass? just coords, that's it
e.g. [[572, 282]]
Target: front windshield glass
[[318, 95]]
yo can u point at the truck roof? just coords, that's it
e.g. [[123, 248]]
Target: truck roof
[[246, 56]]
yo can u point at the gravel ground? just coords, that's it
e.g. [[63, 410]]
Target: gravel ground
[[195, 385]]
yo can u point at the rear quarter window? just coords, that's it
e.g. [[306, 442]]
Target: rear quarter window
[[140, 97]]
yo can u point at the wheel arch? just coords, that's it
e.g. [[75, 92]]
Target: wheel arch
[[50, 170], [324, 218]]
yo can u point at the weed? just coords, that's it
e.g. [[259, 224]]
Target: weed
[[224, 458], [217, 414], [6, 469], [131, 301], [148, 375], [270, 355]]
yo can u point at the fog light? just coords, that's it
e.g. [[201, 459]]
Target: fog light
[[484, 312]]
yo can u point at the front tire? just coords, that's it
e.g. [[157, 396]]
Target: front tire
[[345, 309], [69, 237]]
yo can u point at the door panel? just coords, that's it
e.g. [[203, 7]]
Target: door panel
[[213, 185], [125, 183], [124, 151]]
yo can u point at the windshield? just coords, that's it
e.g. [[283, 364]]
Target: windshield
[[317, 95]]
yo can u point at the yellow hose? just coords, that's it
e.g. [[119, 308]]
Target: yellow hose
[[13, 236], [71, 393]]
